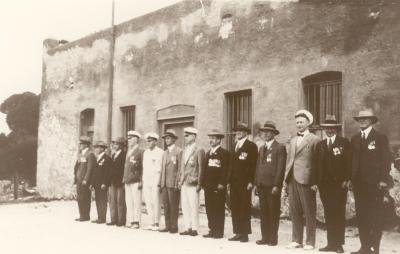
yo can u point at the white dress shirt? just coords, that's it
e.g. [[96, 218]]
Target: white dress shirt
[[333, 138], [366, 132], [240, 143], [152, 160], [171, 147], [268, 144], [214, 149], [300, 138]]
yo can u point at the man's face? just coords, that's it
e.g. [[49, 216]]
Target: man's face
[[82, 146], [267, 135], [364, 123], [240, 134], [151, 142], [214, 141], [330, 131], [189, 138], [169, 140], [302, 123], [133, 140], [116, 146], [99, 149]]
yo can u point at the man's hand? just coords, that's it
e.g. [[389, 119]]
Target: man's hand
[[275, 190], [345, 185], [249, 186], [314, 188], [103, 186], [220, 187], [84, 182], [198, 188], [382, 185]]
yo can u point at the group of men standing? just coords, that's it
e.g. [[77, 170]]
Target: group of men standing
[[306, 165]]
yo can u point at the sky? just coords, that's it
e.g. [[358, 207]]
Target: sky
[[24, 25]]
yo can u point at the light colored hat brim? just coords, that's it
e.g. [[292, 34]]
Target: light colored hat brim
[[269, 129], [169, 135], [330, 125], [216, 135], [374, 118]]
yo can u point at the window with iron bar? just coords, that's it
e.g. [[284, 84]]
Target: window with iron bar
[[128, 119]]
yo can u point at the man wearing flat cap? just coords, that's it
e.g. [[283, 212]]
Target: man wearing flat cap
[[189, 183], [82, 171], [241, 178], [99, 180], [270, 172], [371, 162], [169, 181], [213, 181], [116, 191], [334, 171], [152, 159], [132, 179], [301, 178]]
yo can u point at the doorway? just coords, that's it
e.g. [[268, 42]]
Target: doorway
[[178, 127]]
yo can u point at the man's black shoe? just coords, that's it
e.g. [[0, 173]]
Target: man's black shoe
[[111, 224], [326, 248], [193, 233], [164, 230], [339, 249], [209, 235], [262, 242], [244, 238], [187, 232], [235, 238]]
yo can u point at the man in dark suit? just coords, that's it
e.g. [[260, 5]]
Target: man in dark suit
[[241, 178], [116, 192], [82, 171], [169, 181], [371, 162], [213, 181], [98, 181], [270, 172], [334, 170], [301, 178]]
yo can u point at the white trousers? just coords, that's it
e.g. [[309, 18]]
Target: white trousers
[[190, 207], [152, 200], [133, 200]]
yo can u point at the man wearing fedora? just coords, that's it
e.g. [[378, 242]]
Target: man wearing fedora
[[270, 172], [133, 170], [334, 171], [301, 178], [213, 181], [241, 178], [99, 180], [152, 159], [192, 166], [169, 180], [82, 171], [371, 162], [116, 191]]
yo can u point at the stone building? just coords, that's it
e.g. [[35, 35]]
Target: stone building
[[210, 64]]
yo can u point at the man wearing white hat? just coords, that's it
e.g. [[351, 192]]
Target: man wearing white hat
[[371, 162], [133, 180], [301, 178], [192, 166], [152, 158]]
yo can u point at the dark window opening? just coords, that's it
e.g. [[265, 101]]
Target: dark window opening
[[128, 119]]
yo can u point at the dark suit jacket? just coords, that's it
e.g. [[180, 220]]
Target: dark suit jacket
[[171, 164], [101, 171], [243, 164], [84, 167], [133, 170], [271, 163], [371, 160], [191, 168], [116, 172], [216, 169], [334, 165]]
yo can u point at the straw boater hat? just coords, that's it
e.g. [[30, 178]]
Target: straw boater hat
[[306, 114], [152, 135], [330, 121], [190, 130], [269, 126], [242, 127], [100, 144], [84, 140], [216, 133], [134, 134], [170, 133], [119, 140], [367, 113]]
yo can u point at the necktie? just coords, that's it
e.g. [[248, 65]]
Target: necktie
[[363, 135], [329, 144], [300, 134]]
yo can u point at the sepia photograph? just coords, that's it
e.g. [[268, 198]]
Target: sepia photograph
[[200, 126]]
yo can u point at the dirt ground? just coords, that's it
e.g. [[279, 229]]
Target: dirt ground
[[49, 227]]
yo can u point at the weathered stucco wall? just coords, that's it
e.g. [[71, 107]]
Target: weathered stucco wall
[[183, 55]]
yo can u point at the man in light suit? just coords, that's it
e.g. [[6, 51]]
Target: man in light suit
[[83, 171], [241, 178], [132, 179], [301, 178], [270, 172], [192, 166], [371, 162], [169, 181], [334, 170]]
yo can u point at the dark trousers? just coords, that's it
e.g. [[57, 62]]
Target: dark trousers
[[270, 206], [116, 201], [369, 210], [215, 209], [240, 199], [101, 203], [83, 196], [302, 204], [333, 198], [170, 198]]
